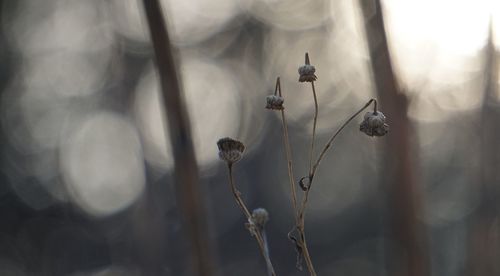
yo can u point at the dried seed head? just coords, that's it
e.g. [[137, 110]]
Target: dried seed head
[[230, 150], [274, 102], [306, 71], [305, 183], [374, 124], [259, 217]]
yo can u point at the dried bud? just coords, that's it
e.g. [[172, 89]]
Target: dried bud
[[259, 217], [230, 150], [305, 183], [306, 71], [275, 102], [374, 124]]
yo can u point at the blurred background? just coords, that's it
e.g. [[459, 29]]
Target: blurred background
[[86, 171]]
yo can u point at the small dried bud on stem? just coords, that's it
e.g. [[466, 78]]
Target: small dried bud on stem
[[260, 217], [231, 151], [306, 71], [275, 101]]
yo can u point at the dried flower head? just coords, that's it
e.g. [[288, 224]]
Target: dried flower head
[[306, 71], [305, 183], [259, 217], [374, 124], [274, 102], [230, 150]]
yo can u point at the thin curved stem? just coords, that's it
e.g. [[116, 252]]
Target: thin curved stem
[[330, 142], [299, 224], [257, 233], [311, 153], [288, 153], [305, 198], [270, 269], [236, 193], [300, 212]]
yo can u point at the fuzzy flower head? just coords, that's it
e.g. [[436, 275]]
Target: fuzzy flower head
[[230, 150], [259, 217], [374, 124], [307, 71], [275, 102]]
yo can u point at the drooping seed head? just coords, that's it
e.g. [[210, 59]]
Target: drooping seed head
[[230, 150], [275, 102], [374, 124]]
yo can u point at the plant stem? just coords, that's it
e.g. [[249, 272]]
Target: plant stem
[[300, 223], [305, 198], [236, 193], [257, 233], [330, 142], [311, 153], [270, 269], [305, 251], [288, 154]]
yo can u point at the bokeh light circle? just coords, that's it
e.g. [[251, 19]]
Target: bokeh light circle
[[102, 164]]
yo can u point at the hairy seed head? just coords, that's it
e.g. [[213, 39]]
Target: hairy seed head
[[274, 102], [230, 150], [374, 124]]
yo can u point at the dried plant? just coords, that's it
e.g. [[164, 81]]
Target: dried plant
[[231, 151], [373, 124]]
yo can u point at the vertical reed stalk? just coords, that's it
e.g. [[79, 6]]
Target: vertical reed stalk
[[186, 169]]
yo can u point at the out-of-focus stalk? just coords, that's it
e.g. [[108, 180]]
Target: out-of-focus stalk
[[399, 168], [186, 169]]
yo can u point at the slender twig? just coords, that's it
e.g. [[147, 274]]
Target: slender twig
[[311, 153], [322, 154], [301, 230], [300, 217], [305, 250], [256, 233], [186, 170], [270, 269], [305, 198], [330, 142], [288, 153], [236, 193]]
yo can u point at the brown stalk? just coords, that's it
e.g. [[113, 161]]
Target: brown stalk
[[288, 152], [186, 169], [315, 120], [301, 212], [332, 139], [399, 170], [257, 233]]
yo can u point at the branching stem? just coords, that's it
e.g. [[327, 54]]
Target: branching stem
[[305, 198], [257, 233], [332, 139]]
